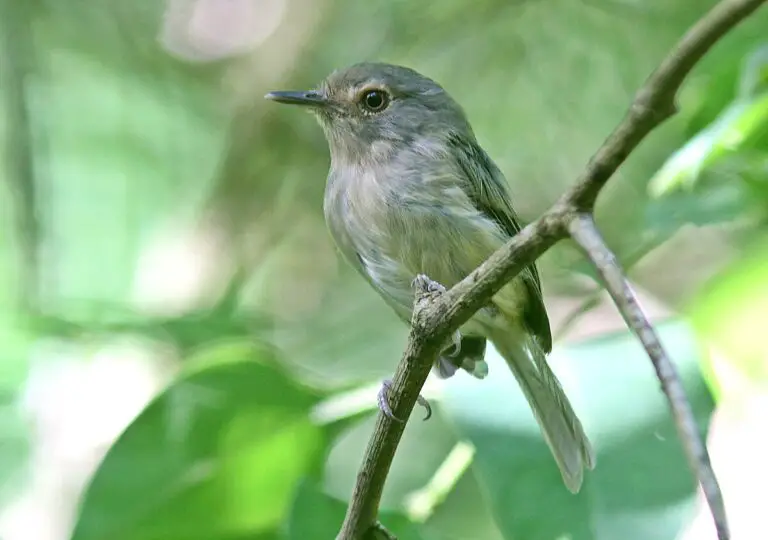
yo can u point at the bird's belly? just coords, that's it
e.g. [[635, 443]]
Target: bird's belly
[[444, 248], [396, 236]]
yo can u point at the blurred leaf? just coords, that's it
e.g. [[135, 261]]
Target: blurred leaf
[[127, 138], [754, 74], [215, 456], [421, 451], [317, 515], [641, 487], [140, 156], [14, 370], [722, 203], [730, 315], [14, 444], [465, 513], [740, 126], [421, 504], [353, 336]]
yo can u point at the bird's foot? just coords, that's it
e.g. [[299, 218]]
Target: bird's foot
[[423, 284], [386, 386]]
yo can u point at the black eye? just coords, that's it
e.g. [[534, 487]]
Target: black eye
[[375, 100]]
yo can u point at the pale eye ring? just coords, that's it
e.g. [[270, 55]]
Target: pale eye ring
[[375, 100]]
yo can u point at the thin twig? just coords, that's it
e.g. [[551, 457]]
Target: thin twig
[[585, 233], [654, 103]]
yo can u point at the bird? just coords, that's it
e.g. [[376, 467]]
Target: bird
[[410, 193]]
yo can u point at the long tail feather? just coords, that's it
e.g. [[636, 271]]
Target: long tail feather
[[559, 424]]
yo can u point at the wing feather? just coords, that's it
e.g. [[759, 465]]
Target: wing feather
[[489, 193]]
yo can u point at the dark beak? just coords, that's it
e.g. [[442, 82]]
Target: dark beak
[[307, 98]]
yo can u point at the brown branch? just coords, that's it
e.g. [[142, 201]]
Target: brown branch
[[585, 233], [434, 322], [410, 376]]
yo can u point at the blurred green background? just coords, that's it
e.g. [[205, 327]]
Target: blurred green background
[[184, 357]]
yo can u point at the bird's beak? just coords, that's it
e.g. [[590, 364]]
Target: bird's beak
[[308, 98]]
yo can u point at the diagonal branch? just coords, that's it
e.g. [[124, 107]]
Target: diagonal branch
[[434, 323], [585, 233], [410, 376]]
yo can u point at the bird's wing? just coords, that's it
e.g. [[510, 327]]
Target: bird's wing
[[487, 188]]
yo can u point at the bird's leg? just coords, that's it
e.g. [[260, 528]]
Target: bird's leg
[[423, 283], [386, 386]]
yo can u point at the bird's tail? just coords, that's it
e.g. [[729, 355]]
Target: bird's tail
[[559, 424]]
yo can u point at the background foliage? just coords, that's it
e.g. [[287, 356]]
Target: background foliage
[[184, 356]]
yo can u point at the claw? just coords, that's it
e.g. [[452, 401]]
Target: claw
[[424, 403], [377, 527], [423, 283], [381, 397]]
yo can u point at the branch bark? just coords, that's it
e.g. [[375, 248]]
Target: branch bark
[[584, 231], [410, 376], [436, 319]]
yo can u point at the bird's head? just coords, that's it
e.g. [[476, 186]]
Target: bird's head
[[371, 109]]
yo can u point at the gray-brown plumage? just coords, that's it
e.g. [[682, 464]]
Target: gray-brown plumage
[[410, 192]]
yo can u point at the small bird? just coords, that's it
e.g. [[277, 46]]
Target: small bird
[[411, 193]]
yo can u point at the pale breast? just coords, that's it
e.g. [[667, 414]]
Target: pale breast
[[360, 216], [397, 228]]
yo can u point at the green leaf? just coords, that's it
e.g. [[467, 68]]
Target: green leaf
[[754, 75], [14, 446], [740, 126], [14, 372], [641, 487], [215, 456], [722, 203], [730, 315], [145, 111], [315, 514]]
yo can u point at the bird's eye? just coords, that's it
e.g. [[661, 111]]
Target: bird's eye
[[375, 100]]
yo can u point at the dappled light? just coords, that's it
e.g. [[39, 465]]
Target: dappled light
[[186, 353]]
